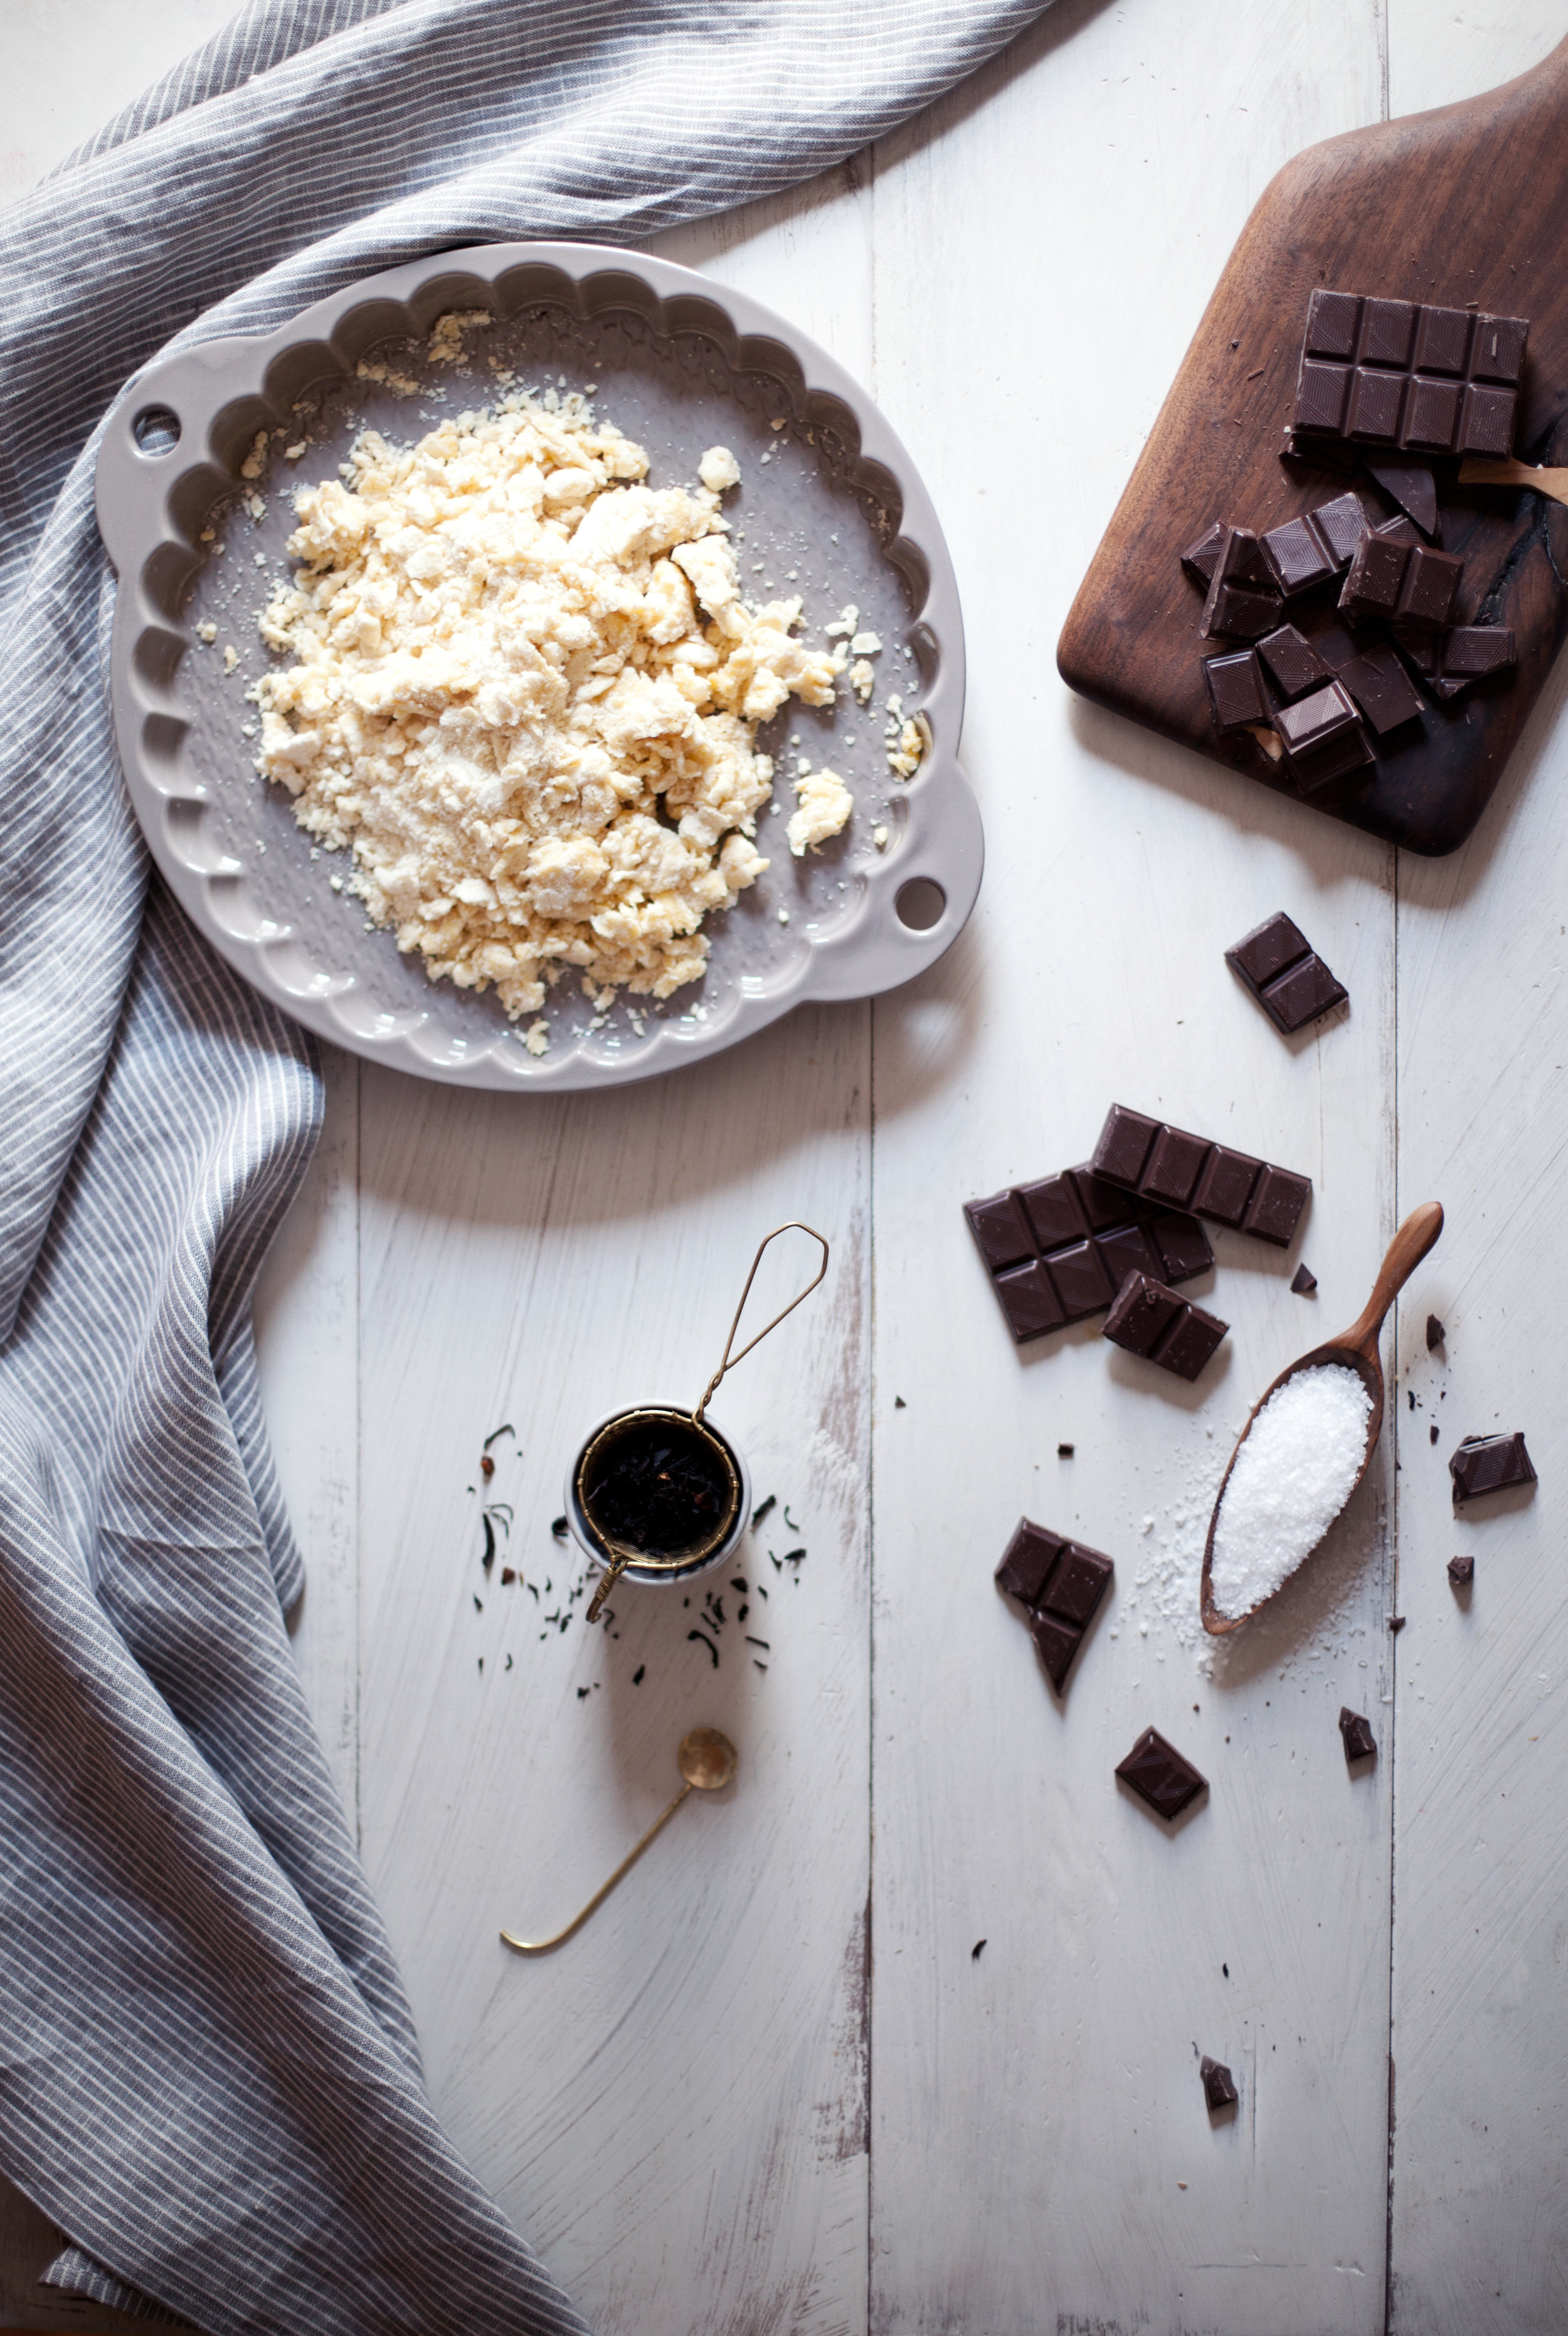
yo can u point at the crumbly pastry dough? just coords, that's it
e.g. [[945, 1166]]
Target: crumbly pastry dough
[[525, 687]]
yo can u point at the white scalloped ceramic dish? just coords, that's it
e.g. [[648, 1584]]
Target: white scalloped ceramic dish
[[836, 512]]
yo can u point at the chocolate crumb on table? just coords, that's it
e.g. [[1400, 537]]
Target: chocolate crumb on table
[[1218, 2088], [1285, 974], [1436, 1334], [1302, 1283], [975, 1951], [1357, 1731], [1160, 1775], [1461, 1571], [1433, 1432], [1061, 1583], [1490, 1463]]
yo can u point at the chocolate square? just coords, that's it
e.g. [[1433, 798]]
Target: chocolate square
[[1143, 1313], [1183, 1245], [1058, 1643], [1432, 416], [1028, 1562], [1294, 662], [998, 1227], [1159, 1774], [1376, 574], [1311, 720], [1276, 1206], [1443, 343], [1103, 1204], [1471, 650], [1028, 1300], [1431, 583], [1268, 950], [1079, 1582], [1189, 1342], [1323, 393], [1172, 1173], [1081, 1279], [1300, 996], [1335, 758], [1128, 1250], [1126, 1140], [1226, 1187], [1333, 319], [1486, 424], [1376, 400], [1342, 524], [1490, 1463], [1235, 689], [1388, 328], [1381, 687], [1499, 350], [1296, 555], [1238, 612], [1054, 1210], [1200, 558]]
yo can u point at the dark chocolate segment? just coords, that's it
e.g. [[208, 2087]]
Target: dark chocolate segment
[[1302, 1283], [1059, 1250], [1298, 557], [1461, 1571], [1359, 1742], [1233, 1187], [1323, 735], [1200, 558], [1284, 974], [1376, 576], [1381, 688], [1429, 589], [1393, 374], [1436, 1334], [1219, 2090], [1490, 1463], [1159, 1774], [1062, 1584], [1236, 689], [1292, 661], [1151, 1321], [1470, 651], [1342, 524], [1240, 601], [1411, 485]]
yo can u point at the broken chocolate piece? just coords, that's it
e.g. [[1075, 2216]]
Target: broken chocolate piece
[[1057, 1250], [1359, 1741], [1461, 1571], [1382, 689], [1430, 587], [1377, 576], [1236, 689], [1241, 601], [1200, 558], [1160, 1161], [1435, 1432], [1470, 652], [1288, 980], [1062, 1583], [1151, 1321], [1392, 374], [1302, 1283], [1490, 1463], [1410, 485], [1323, 735], [1298, 557], [1294, 664], [1436, 1334], [1159, 1774], [1342, 524], [1218, 2091], [1396, 1623]]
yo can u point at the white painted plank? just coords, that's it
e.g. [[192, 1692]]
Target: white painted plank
[[1035, 2114], [1480, 1998]]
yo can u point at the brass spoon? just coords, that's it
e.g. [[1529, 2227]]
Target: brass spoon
[[707, 1761], [1480, 471], [1357, 1348]]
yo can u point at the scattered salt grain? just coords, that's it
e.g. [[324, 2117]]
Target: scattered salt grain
[[1292, 1475]]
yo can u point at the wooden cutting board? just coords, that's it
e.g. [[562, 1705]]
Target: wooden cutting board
[[1467, 204]]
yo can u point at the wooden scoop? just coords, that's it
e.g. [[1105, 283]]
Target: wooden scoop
[[1475, 471], [1356, 1350]]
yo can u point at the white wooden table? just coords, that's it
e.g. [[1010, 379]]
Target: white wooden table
[[773, 2086]]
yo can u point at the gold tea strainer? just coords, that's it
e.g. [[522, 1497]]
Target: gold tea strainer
[[621, 1553]]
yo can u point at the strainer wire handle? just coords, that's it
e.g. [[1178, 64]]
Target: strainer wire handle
[[729, 1360]]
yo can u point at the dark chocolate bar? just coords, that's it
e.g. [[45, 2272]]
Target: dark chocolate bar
[[1423, 380], [1382, 689], [1302, 1283], [1150, 1320], [1159, 1162], [1293, 663], [1241, 601], [1322, 737], [1411, 485], [1059, 1250], [1236, 689], [1159, 1774], [1061, 1583], [1219, 2089], [1285, 975], [1461, 1571], [1490, 1463], [1359, 1742]]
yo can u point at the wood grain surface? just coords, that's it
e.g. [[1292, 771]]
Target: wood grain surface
[[1465, 203], [770, 2091]]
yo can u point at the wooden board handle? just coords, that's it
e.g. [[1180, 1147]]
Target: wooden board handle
[[1415, 1236]]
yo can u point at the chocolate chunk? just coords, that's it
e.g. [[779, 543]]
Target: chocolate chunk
[[1431, 585], [1240, 601], [1218, 2091], [1057, 1250], [1302, 1283], [1376, 576], [1342, 524], [1410, 485], [1062, 1583], [1396, 1623], [1159, 1774], [1461, 1571], [1298, 557], [1236, 689], [1436, 1334], [1435, 1432], [1231, 1187], [1151, 1321], [1490, 1463], [1395, 375], [1471, 651], [1200, 558], [1292, 661], [1359, 1741], [1288, 980], [1323, 735], [1381, 688]]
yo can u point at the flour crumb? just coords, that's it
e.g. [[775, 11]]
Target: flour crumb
[[718, 470], [256, 506], [825, 803], [401, 384], [879, 838], [536, 1038], [206, 635], [865, 644], [292, 454], [909, 748], [447, 342], [231, 657], [863, 680], [255, 461]]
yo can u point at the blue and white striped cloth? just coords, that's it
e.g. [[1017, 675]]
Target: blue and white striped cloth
[[208, 2074]]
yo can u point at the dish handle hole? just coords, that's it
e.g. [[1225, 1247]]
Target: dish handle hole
[[920, 904], [156, 430]]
